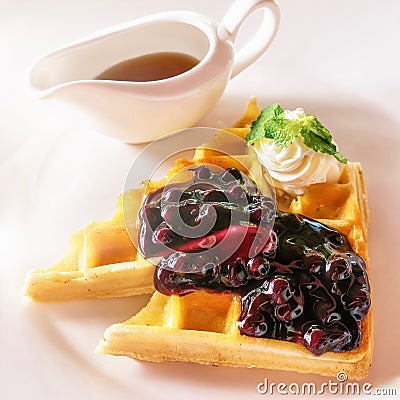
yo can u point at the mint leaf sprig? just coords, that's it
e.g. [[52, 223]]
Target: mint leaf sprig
[[273, 124]]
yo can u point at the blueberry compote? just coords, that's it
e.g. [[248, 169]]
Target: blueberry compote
[[299, 281]]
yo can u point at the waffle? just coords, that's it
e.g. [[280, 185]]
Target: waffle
[[202, 327], [102, 261], [197, 328]]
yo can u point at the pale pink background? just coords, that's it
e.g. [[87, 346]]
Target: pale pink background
[[338, 59]]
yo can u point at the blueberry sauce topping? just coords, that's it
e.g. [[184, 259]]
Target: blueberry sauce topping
[[299, 281]]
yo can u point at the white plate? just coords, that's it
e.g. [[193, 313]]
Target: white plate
[[335, 65]]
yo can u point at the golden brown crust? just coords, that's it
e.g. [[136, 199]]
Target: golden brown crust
[[102, 262], [201, 327], [196, 328]]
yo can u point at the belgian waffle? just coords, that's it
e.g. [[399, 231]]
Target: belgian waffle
[[102, 261], [202, 327]]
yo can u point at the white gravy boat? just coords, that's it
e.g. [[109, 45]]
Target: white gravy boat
[[137, 112]]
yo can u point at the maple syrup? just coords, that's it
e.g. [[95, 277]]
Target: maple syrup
[[150, 67]]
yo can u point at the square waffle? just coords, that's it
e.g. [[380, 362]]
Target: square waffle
[[202, 327], [103, 262]]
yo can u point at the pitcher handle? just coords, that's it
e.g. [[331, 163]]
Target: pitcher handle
[[235, 17]]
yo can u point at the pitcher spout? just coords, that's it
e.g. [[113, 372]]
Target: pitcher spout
[[53, 71]]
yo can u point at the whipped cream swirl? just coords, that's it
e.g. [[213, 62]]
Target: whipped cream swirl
[[296, 166]]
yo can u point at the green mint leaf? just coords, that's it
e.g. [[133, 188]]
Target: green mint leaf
[[257, 131], [318, 144], [282, 130], [318, 138], [272, 124]]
